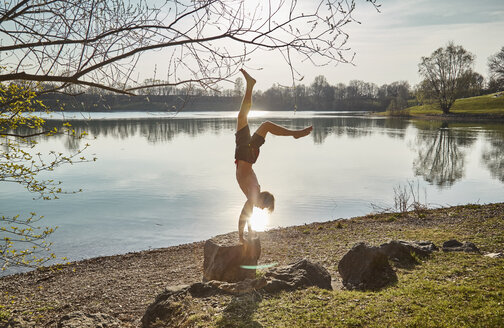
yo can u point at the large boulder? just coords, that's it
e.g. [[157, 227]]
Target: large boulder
[[86, 320], [454, 245], [402, 251], [301, 274], [366, 268], [224, 258]]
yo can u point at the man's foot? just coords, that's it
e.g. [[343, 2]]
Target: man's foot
[[249, 79], [303, 133]]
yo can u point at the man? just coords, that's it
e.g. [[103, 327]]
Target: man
[[246, 153]]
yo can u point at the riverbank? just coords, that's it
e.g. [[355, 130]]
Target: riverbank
[[481, 108], [447, 290]]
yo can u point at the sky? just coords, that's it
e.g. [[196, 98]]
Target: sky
[[390, 44]]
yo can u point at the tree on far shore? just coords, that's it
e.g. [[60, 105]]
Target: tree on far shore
[[447, 73], [496, 68]]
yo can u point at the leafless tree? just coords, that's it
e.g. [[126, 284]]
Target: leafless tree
[[98, 43], [496, 68], [446, 73]]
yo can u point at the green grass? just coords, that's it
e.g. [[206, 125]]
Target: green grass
[[481, 105], [445, 290], [448, 290]]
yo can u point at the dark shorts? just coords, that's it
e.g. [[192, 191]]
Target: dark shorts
[[247, 147]]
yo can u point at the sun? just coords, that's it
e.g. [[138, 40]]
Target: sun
[[259, 219]]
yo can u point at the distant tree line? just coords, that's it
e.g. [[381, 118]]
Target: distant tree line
[[320, 95], [447, 75]]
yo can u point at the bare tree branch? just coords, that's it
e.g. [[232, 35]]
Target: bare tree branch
[[104, 40]]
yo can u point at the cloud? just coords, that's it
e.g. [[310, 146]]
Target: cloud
[[415, 13]]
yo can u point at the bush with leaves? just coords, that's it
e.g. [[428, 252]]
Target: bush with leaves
[[22, 240]]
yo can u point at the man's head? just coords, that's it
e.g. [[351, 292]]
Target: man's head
[[266, 200]]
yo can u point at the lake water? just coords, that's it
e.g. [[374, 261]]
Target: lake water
[[162, 180]]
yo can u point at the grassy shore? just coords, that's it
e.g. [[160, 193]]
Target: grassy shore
[[488, 106], [445, 290]]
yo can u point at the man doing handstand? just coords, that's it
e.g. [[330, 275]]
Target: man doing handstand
[[246, 153]]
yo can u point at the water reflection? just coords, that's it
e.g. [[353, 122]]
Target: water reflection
[[493, 155], [440, 147], [441, 152], [158, 130]]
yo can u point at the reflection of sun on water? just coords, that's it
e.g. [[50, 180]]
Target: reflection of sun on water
[[257, 113], [259, 219]]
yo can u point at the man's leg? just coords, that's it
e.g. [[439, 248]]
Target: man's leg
[[279, 130], [246, 102]]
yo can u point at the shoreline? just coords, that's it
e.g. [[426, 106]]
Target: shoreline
[[124, 285], [488, 118]]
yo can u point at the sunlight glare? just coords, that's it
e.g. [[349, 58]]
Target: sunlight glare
[[259, 219], [258, 113]]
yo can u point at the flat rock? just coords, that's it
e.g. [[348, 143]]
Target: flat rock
[[301, 274], [454, 245], [366, 268], [401, 251], [240, 287], [224, 257]]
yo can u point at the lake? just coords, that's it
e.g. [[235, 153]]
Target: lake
[[162, 180]]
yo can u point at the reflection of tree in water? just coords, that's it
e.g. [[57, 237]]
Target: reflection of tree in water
[[493, 156], [155, 130], [353, 127], [440, 159], [395, 127], [165, 129]]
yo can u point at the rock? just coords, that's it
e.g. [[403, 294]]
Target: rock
[[171, 306], [84, 320], [455, 246], [167, 307], [301, 274], [498, 255], [224, 256], [241, 287], [203, 289], [366, 268], [401, 251]]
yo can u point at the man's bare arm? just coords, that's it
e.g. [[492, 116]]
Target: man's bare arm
[[244, 218]]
